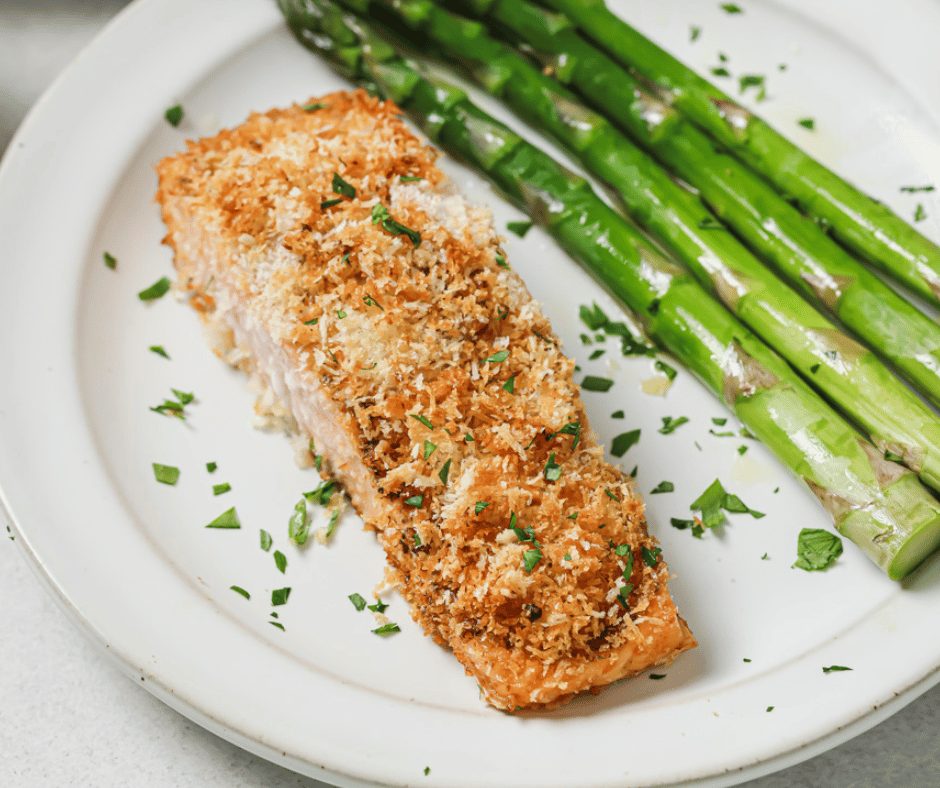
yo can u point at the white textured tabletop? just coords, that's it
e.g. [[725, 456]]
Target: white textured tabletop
[[68, 717]]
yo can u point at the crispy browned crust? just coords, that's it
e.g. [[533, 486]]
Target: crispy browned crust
[[251, 239]]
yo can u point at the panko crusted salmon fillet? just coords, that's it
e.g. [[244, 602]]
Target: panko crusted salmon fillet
[[377, 305]]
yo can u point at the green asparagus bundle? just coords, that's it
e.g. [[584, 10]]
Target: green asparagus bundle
[[861, 223], [877, 504], [845, 371], [798, 248]]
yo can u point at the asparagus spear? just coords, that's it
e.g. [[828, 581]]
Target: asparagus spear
[[845, 371], [772, 227], [877, 504], [863, 224]]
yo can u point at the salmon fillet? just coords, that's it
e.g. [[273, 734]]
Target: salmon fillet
[[381, 312]]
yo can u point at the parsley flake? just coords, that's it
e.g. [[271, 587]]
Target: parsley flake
[[211, 467], [166, 474], [279, 596], [444, 472], [530, 558], [174, 115], [835, 669], [624, 442], [731, 8], [916, 189], [807, 123], [480, 506], [817, 549], [510, 385], [670, 424], [650, 556], [160, 351], [330, 203], [386, 629], [228, 519], [298, 525], [343, 187], [240, 591], [266, 540], [157, 290], [423, 419], [715, 499], [109, 260], [415, 500], [519, 228], [663, 487], [594, 383], [429, 448], [919, 213], [666, 369], [694, 32], [552, 469], [498, 358], [221, 489], [358, 602], [617, 414], [381, 216], [280, 561], [314, 106], [657, 676]]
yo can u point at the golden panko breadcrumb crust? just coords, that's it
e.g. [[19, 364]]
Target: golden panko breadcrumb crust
[[433, 385]]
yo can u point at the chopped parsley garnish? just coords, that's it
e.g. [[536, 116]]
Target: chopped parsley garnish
[[765, 557], [622, 549], [423, 419], [415, 500], [715, 499], [160, 351], [682, 525], [916, 189], [746, 660], [501, 261], [526, 534], [720, 71], [519, 228], [378, 606], [807, 123], [468, 438], [746, 81], [552, 469], [694, 32], [221, 489], [298, 525], [279, 596], [610, 494], [668, 371], [633, 472], [266, 540], [417, 540], [427, 770], [731, 8], [724, 434], [109, 260], [657, 676], [814, 368], [340, 313], [663, 487], [312, 321], [358, 602], [742, 449], [631, 344], [157, 290], [594, 383], [719, 421], [498, 358], [572, 428], [510, 385], [212, 467], [444, 472], [386, 629], [322, 493], [174, 115], [919, 213], [314, 106], [670, 424], [166, 474], [343, 187], [331, 525], [624, 442], [650, 557], [770, 708], [228, 519], [596, 354], [410, 178], [370, 301], [381, 216], [835, 669], [817, 549], [277, 624], [530, 558], [480, 506], [429, 448], [280, 561], [330, 203], [617, 414], [240, 591]]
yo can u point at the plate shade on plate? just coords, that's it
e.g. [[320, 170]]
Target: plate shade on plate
[[131, 560]]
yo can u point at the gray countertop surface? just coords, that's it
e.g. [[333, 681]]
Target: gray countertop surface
[[68, 717]]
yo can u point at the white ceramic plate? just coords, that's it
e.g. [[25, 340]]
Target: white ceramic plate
[[130, 558]]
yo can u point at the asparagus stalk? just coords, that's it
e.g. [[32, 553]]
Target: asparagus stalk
[[879, 505], [848, 373], [863, 224], [799, 249]]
